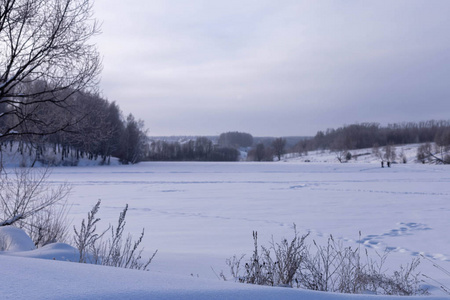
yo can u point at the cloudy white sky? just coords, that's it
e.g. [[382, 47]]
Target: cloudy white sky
[[279, 68]]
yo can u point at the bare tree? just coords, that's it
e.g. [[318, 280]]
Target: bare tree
[[45, 58], [302, 147], [389, 153], [442, 145], [278, 145], [343, 155], [260, 152], [423, 152]]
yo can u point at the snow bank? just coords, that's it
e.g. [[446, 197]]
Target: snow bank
[[25, 278], [14, 239], [15, 242], [56, 251]]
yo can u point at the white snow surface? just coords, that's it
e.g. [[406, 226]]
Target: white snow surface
[[199, 214], [25, 278]]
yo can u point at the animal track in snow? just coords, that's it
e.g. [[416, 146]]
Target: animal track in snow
[[381, 192], [376, 241]]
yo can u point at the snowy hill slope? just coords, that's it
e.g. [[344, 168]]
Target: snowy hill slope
[[409, 152]]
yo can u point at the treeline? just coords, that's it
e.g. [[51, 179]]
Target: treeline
[[87, 126], [200, 149], [366, 135], [235, 139]]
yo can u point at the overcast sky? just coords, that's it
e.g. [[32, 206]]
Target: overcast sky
[[274, 68]]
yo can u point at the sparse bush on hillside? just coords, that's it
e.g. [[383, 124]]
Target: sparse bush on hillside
[[343, 156], [366, 135], [423, 152], [438, 154], [333, 268]]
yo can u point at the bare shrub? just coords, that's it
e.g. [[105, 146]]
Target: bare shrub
[[275, 265], [288, 257], [404, 281], [86, 237], [337, 268], [49, 225], [118, 252], [332, 267], [256, 270], [115, 251], [423, 153], [29, 202], [438, 155]]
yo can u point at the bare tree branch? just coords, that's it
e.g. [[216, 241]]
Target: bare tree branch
[[45, 59]]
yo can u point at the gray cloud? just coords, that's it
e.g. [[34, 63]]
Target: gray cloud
[[275, 68]]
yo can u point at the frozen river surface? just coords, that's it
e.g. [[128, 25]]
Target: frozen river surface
[[198, 214]]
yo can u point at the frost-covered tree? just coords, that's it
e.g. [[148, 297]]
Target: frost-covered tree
[[45, 57]]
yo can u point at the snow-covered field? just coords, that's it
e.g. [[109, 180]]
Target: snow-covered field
[[198, 214]]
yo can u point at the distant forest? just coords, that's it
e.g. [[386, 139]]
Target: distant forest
[[200, 149], [372, 135], [101, 131], [92, 128], [367, 135]]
